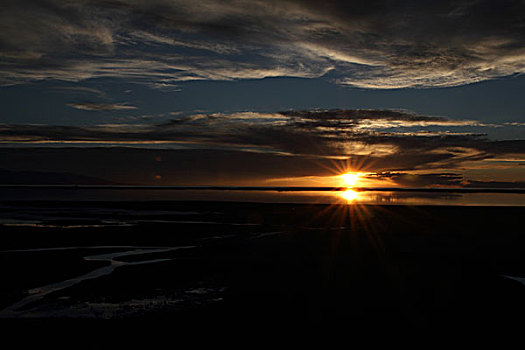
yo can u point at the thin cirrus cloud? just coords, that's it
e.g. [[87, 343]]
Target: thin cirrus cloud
[[97, 106], [389, 141], [380, 44]]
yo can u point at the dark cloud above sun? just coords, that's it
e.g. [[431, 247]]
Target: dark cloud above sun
[[372, 44]]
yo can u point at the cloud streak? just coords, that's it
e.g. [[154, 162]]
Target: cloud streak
[[378, 140], [380, 44], [96, 106]]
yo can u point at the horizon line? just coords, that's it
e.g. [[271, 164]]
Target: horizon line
[[271, 188]]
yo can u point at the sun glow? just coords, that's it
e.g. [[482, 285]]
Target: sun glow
[[350, 179]]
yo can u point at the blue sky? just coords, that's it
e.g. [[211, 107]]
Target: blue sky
[[48, 102]]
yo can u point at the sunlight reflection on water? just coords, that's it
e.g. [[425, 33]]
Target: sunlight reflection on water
[[328, 197]]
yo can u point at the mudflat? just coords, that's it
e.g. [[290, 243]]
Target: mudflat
[[257, 265]]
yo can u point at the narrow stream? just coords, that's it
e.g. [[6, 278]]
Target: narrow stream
[[38, 293]]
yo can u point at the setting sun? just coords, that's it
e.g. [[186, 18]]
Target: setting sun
[[350, 179]]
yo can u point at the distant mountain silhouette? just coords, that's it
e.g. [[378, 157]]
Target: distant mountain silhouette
[[10, 177]]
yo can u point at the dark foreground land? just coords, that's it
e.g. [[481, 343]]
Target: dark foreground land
[[262, 267]]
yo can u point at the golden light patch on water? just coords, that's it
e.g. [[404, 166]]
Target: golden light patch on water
[[349, 195]]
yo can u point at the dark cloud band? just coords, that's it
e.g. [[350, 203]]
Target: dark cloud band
[[379, 140]]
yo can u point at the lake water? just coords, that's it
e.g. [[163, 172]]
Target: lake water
[[327, 197]]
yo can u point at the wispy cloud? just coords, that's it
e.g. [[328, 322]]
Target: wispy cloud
[[96, 106], [379, 44], [80, 90]]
